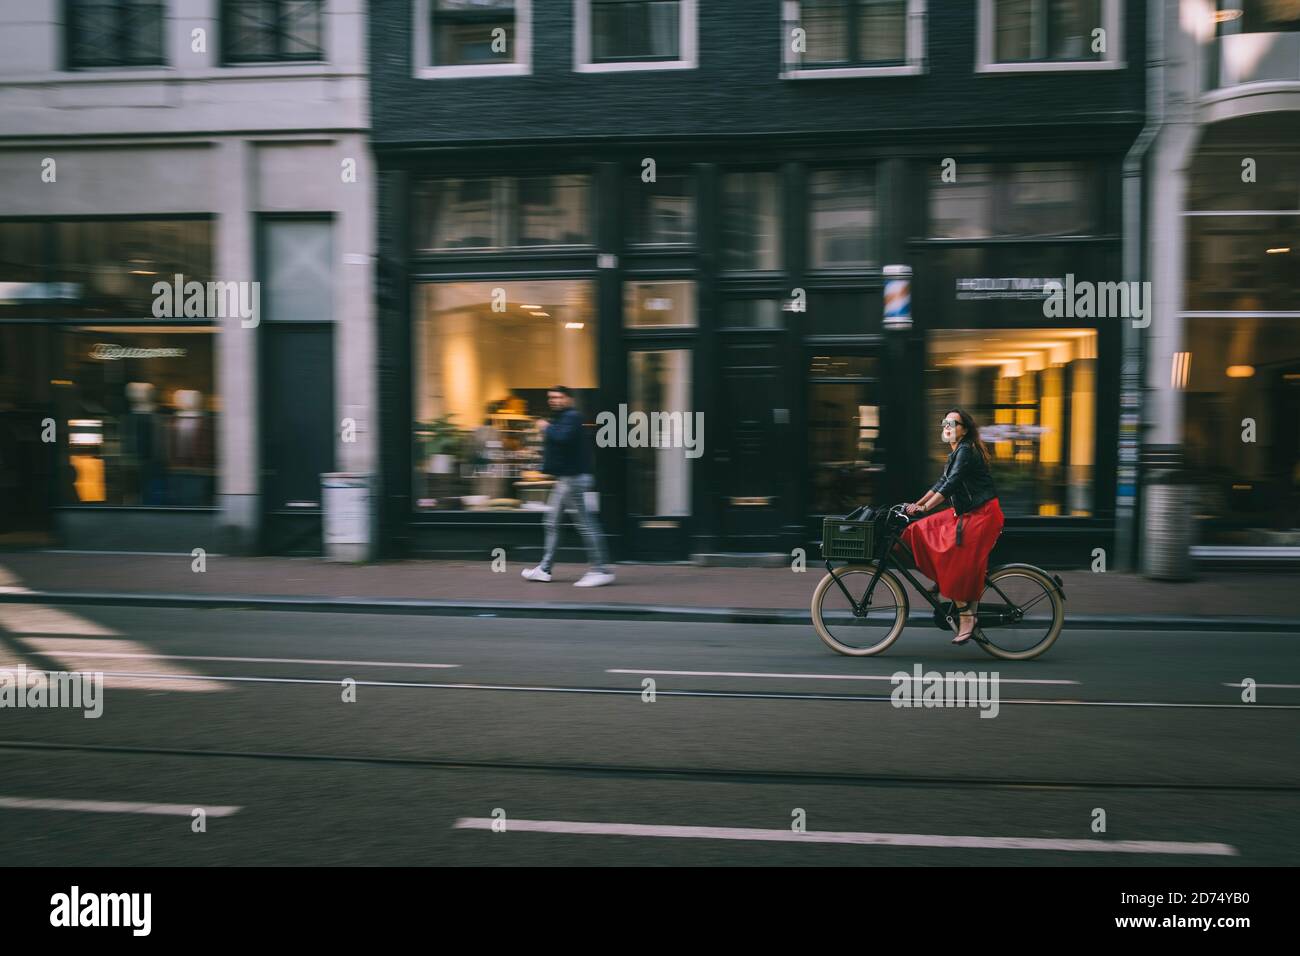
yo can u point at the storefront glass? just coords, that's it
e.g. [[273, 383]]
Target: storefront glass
[[485, 355], [751, 221], [1003, 200], [1242, 427], [844, 450], [1033, 392], [659, 479], [502, 212], [140, 410]]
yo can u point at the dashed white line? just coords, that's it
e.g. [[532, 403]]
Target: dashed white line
[[116, 806], [257, 660], [886, 677], [941, 841]]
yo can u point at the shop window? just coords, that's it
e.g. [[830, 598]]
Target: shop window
[[1048, 34], [1217, 182], [661, 212], [843, 218], [634, 34], [751, 220], [271, 31], [1013, 200], [752, 314], [1242, 428], [1033, 393], [659, 304], [485, 355], [140, 411], [503, 212], [659, 478], [1243, 263], [844, 451], [106, 33], [113, 264], [852, 37]]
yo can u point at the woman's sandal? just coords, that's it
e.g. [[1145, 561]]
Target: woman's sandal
[[959, 640]]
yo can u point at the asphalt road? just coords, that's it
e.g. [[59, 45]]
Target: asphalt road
[[542, 728]]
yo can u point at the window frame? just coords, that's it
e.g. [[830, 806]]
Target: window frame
[[687, 43], [914, 40], [279, 57], [423, 67], [70, 11], [1112, 15]]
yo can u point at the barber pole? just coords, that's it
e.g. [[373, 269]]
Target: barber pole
[[898, 297]]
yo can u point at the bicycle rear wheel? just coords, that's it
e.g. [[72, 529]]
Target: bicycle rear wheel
[[859, 635], [1021, 612]]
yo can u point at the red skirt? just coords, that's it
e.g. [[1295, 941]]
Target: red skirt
[[958, 569]]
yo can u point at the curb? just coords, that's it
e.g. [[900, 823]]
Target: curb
[[596, 612]]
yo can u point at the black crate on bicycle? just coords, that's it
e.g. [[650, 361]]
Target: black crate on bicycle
[[853, 537]]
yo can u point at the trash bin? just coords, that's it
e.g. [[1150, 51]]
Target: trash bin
[[1168, 503], [346, 502]]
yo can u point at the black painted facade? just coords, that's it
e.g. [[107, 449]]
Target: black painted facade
[[734, 112]]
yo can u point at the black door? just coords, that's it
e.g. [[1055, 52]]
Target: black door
[[753, 455], [298, 427]]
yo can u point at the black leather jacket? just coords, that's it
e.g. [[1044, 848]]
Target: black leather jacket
[[966, 482]]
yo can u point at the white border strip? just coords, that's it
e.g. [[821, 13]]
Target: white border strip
[[115, 806], [887, 677], [848, 837]]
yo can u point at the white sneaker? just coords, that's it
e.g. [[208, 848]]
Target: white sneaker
[[536, 574], [594, 579]]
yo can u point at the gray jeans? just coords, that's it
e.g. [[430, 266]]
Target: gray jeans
[[568, 495]]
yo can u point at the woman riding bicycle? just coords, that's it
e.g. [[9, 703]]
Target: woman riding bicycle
[[951, 547]]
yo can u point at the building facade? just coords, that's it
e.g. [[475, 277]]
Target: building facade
[[1223, 356], [690, 207], [186, 271]]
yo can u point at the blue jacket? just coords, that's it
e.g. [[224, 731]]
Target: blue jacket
[[565, 448]]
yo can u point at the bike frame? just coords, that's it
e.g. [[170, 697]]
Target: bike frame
[[1008, 613]]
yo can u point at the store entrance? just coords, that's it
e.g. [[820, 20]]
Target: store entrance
[[846, 460], [298, 423], [754, 450], [659, 478], [28, 463]]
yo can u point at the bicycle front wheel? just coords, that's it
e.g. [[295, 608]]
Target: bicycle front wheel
[[1021, 612], [866, 633]]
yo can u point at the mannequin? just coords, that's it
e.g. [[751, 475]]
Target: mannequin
[[189, 449]]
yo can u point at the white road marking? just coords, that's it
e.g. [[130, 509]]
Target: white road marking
[[115, 806], [1271, 686], [74, 654], [888, 677], [850, 837], [258, 660], [624, 692], [42, 619]]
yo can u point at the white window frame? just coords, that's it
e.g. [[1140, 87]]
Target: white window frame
[[1112, 16], [687, 43], [914, 44], [422, 50]]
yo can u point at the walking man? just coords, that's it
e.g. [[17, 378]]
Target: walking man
[[566, 457]]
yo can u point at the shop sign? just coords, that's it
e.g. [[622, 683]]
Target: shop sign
[[1003, 287]]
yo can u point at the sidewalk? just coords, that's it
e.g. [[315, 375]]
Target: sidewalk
[[682, 592]]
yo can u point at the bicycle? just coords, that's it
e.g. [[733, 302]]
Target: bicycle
[[1012, 622]]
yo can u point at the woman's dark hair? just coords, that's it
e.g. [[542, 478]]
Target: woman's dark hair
[[973, 433]]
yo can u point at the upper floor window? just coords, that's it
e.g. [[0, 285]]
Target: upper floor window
[[1014, 200], [661, 212], [471, 37], [503, 212], [634, 35], [1048, 35], [853, 37], [842, 218], [272, 31], [115, 33], [751, 221]]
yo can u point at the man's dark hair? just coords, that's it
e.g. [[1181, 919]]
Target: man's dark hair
[[562, 389]]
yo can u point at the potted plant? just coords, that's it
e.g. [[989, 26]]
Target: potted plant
[[438, 442]]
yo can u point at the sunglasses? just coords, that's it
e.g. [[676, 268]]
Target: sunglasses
[[950, 422]]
